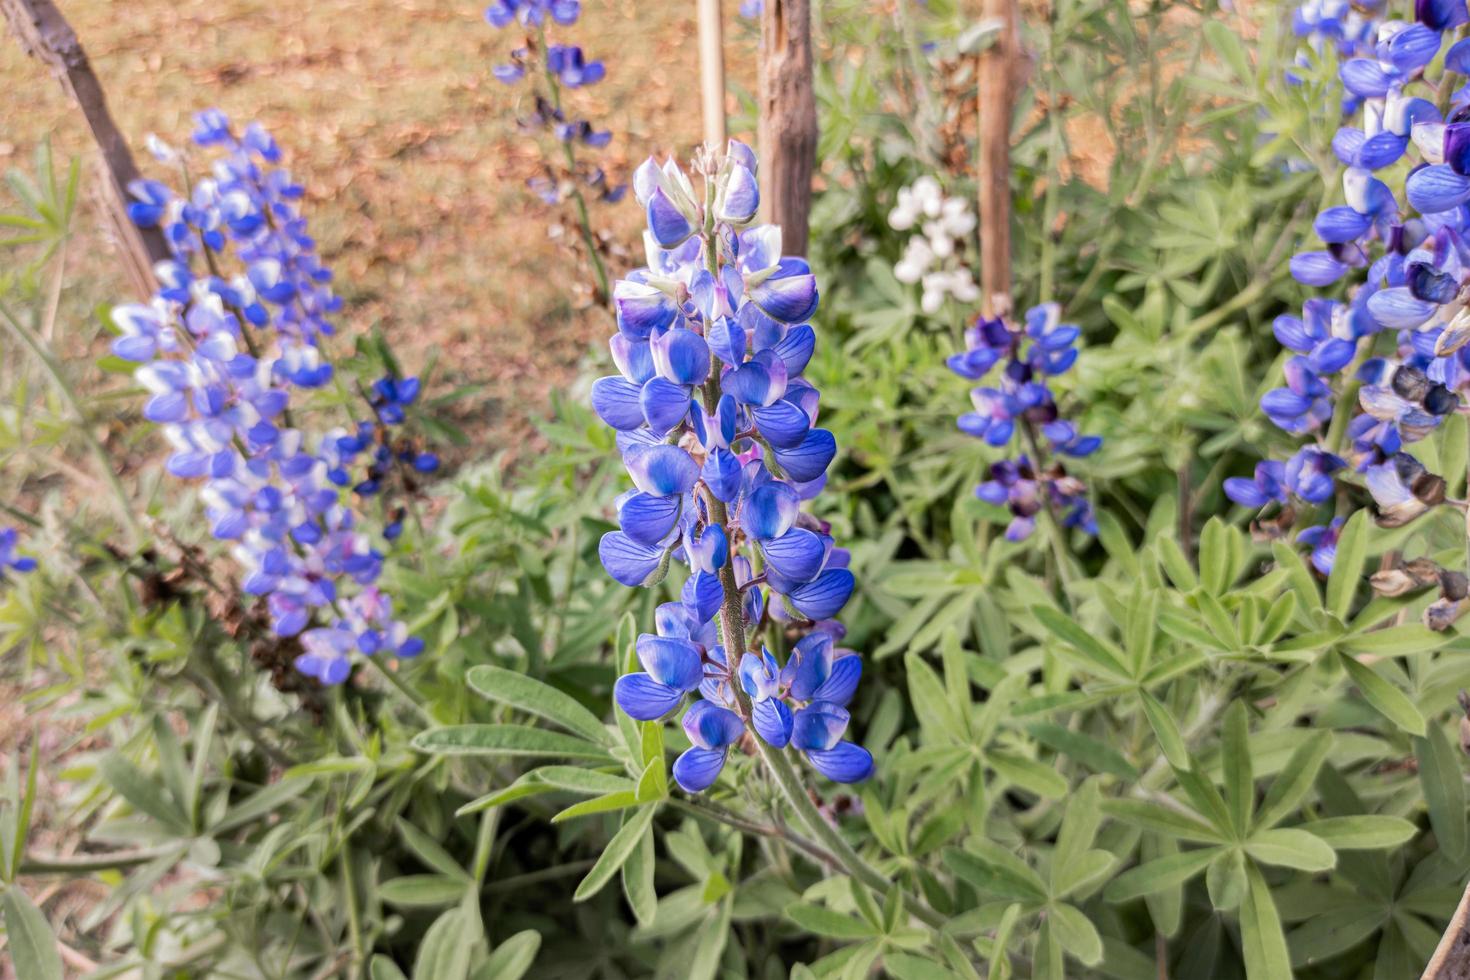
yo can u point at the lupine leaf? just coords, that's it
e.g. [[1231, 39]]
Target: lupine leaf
[[990, 867], [637, 877], [1291, 848], [1093, 753], [1028, 774], [1347, 567], [423, 891], [822, 921], [622, 844], [1158, 875], [537, 698], [512, 959], [1000, 960], [1239, 780], [1442, 778], [1094, 654], [429, 851], [28, 938], [1362, 832], [1163, 820], [1385, 697], [1262, 941], [382, 968], [508, 740], [1294, 780], [142, 793], [1166, 730], [620, 800], [1077, 935], [1397, 641]]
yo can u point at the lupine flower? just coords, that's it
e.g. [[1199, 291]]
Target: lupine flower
[[222, 359], [11, 561], [718, 430], [1043, 349], [934, 257], [1403, 250], [552, 68]]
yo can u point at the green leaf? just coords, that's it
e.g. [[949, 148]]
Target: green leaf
[[1028, 774], [143, 794], [992, 869], [930, 702], [1303, 586], [1362, 832], [513, 958], [821, 921], [622, 844], [1078, 831], [29, 940], [382, 968], [637, 877], [1239, 781], [1077, 935], [423, 891], [1162, 820], [537, 698], [1443, 780], [1176, 565], [1291, 848], [1214, 556], [1093, 753], [1158, 875], [1166, 730], [1385, 697], [1347, 567], [1000, 960], [1095, 655], [1227, 45], [620, 800], [1397, 641], [505, 740], [444, 953], [1225, 879], [428, 850], [1262, 941], [1295, 779]]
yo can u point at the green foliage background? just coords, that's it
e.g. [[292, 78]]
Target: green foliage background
[[1166, 749]]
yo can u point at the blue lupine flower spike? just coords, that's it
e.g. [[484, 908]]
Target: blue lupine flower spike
[[233, 335], [717, 427]]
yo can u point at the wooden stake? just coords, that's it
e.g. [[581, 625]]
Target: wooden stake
[[712, 72], [44, 34], [1451, 960], [998, 75], [788, 120]]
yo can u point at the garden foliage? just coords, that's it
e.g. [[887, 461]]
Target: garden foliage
[[1135, 700]]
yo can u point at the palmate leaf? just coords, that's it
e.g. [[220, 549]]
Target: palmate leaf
[[1290, 848], [1442, 779], [1363, 832], [821, 921], [29, 940], [1263, 944], [1387, 699], [1158, 875], [512, 959]]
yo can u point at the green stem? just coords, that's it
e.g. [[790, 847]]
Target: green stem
[[584, 219], [69, 396], [1052, 527], [39, 864], [707, 809]]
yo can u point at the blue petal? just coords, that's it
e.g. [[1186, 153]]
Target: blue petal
[[662, 470], [769, 511], [1332, 355], [1363, 77], [845, 763], [702, 595], [842, 683], [666, 222], [1292, 333], [1316, 268], [727, 340], [759, 381], [1413, 47], [795, 349], [681, 356], [1245, 492], [1437, 188], [783, 424], [648, 519], [670, 660], [1397, 308], [1347, 143], [663, 403], [797, 555], [642, 309], [1440, 14], [722, 474], [772, 721], [1341, 224], [818, 726], [617, 402], [790, 299], [626, 560], [697, 769], [1457, 58], [822, 598], [809, 666], [809, 459], [710, 726], [645, 699], [741, 196]]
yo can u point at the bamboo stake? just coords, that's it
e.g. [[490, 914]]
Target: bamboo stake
[[45, 35], [998, 76], [788, 120], [712, 72]]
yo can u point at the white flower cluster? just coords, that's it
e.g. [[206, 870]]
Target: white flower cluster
[[934, 257]]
